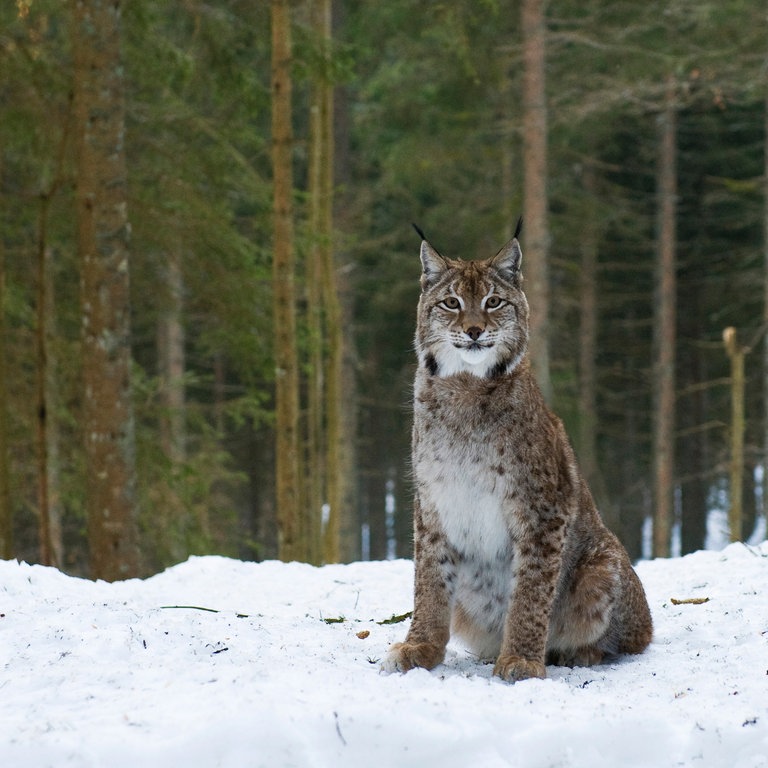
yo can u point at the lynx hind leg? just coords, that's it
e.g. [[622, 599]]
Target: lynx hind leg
[[582, 623], [633, 616], [604, 612]]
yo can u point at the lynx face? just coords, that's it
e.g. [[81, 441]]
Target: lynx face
[[472, 316]]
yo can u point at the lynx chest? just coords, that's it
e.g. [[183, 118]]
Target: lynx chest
[[463, 479]]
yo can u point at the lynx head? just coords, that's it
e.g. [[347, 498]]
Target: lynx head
[[472, 315]]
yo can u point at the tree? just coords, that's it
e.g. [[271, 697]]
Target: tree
[[102, 241], [535, 174], [326, 387], [664, 327], [6, 511], [765, 301], [287, 477]]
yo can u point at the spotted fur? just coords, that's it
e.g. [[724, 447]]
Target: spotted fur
[[510, 552]]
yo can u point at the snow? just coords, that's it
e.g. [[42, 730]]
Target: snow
[[113, 675]]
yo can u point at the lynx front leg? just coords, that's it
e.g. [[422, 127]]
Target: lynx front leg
[[424, 646], [527, 625]]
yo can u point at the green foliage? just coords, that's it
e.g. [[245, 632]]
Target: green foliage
[[428, 123]]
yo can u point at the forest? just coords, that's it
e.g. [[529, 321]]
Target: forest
[[208, 274]]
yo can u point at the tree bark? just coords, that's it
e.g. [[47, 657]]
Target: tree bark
[[171, 364], [588, 322], [287, 490], [316, 466], [665, 328], [535, 205], [48, 495], [6, 510], [765, 307], [334, 437], [736, 489], [103, 233]]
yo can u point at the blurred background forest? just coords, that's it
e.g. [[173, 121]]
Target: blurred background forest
[[646, 230]]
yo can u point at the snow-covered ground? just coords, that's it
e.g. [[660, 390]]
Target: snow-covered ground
[[112, 675]]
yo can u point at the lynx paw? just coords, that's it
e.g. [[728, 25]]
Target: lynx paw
[[583, 657], [514, 668], [405, 656]]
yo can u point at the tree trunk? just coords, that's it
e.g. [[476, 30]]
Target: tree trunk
[[349, 529], [6, 510], [48, 495], [316, 467], [535, 205], [171, 366], [102, 232], [326, 389], [736, 354], [765, 308], [334, 437], [588, 321], [664, 328], [287, 490]]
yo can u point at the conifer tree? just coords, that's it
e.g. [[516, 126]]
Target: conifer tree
[[102, 241], [287, 482]]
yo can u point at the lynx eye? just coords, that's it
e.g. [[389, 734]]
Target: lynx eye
[[494, 302], [451, 303]]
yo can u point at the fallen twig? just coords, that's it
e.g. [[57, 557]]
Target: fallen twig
[[201, 608], [689, 601]]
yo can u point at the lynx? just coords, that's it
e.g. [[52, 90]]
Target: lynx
[[511, 555]]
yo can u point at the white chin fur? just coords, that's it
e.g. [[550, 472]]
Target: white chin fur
[[474, 357], [475, 361]]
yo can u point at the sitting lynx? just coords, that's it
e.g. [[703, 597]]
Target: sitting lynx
[[510, 553]]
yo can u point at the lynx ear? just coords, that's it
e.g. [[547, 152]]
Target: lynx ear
[[432, 263], [507, 261]]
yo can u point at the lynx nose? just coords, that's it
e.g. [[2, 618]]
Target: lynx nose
[[474, 332]]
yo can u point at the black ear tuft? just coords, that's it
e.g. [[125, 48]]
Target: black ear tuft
[[418, 231], [518, 228]]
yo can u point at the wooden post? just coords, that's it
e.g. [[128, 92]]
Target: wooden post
[[736, 353]]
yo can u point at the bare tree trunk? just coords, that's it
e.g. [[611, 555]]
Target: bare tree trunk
[[664, 328], [765, 307], [48, 494], [335, 438], [588, 321], [316, 466], [171, 365], [349, 533], [536, 231], [736, 489], [6, 510], [287, 490], [102, 230], [43, 506]]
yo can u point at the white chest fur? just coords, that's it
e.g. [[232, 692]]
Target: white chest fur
[[469, 503]]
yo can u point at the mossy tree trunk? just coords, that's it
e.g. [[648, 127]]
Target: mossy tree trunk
[[102, 238], [287, 481]]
